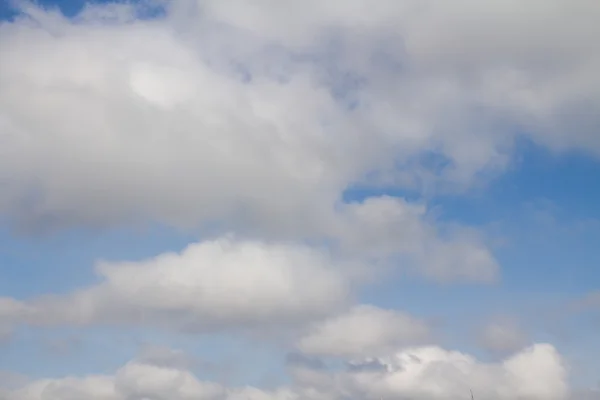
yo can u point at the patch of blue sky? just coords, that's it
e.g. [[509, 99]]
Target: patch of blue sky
[[7, 11], [145, 9], [566, 184], [64, 261]]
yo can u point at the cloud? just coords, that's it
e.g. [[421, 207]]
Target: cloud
[[144, 125], [10, 380], [162, 356], [249, 118], [364, 330], [590, 300], [11, 312], [259, 115], [213, 285], [384, 228], [230, 283], [152, 130], [426, 373], [430, 373], [590, 394], [136, 380], [502, 335]]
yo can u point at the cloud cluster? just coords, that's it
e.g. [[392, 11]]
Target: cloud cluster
[[259, 115], [228, 283], [258, 118], [427, 373], [502, 335], [215, 285], [363, 331], [434, 373], [234, 283], [11, 312]]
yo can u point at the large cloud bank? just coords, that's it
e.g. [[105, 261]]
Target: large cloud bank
[[259, 114]]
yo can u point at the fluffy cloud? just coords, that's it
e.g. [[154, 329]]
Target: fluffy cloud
[[502, 335], [142, 125], [221, 284], [253, 118], [427, 373], [522, 63], [364, 330], [259, 114], [384, 227], [256, 117], [11, 312], [151, 130], [230, 283]]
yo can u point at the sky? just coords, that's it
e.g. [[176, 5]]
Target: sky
[[285, 200]]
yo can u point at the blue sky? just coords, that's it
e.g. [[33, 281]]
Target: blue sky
[[537, 215]]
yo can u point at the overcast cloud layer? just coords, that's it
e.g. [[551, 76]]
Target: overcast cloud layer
[[248, 122]]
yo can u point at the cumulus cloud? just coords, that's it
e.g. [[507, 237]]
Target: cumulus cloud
[[162, 356], [364, 330], [433, 373], [426, 373], [233, 283], [259, 114], [383, 227], [257, 117], [142, 125], [502, 335], [11, 312], [218, 149], [214, 285], [138, 380]]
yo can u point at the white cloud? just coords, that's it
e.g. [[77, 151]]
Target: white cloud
[[384, 227], [165, 357], [502, 335], [200, 118], [364, 330], [152, 131], [136, 381], [117, 120], [430, 373], [468, 74], [214, 285], [255, 117], [141, 125], [427, 373], [11, 312], [139, 381], [230, 283], [10, 380]]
